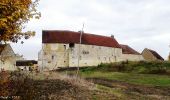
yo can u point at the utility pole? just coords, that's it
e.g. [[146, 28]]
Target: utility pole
[[169, 55], [81, 33]]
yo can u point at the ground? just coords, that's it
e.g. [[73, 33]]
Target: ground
[[94, 83]]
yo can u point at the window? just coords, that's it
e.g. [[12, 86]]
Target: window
[[71, 45], [64, 47], [85, 52], [52, 57]]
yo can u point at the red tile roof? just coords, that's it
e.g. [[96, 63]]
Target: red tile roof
[[61, 36], [128, 50], [156, 54]]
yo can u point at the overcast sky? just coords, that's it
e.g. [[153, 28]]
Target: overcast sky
[[138, 23]]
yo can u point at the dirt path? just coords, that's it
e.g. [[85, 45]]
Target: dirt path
[[149, 92]]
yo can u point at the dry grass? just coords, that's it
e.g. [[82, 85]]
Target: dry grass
[[74, 80]]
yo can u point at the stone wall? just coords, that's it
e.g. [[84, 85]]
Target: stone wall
[[8, 59], [148, 56], [66, 55], [132, 57]]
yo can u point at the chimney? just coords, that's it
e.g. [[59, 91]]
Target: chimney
[[112, 36]]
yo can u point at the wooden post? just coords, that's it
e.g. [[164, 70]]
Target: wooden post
[[81, 33]]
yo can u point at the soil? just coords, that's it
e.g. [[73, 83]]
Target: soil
[[132, 90], [62, 90]]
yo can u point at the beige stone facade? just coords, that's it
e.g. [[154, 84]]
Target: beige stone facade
[[132, 57], [62, 55], [150, 55], [8, 58], [62, 49]]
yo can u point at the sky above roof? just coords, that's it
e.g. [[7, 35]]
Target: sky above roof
[[138, 23]]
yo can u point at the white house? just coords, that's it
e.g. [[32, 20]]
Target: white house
[[62, 48], [8, 57]]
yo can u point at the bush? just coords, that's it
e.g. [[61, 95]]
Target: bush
[[135, 67], [16, 84]]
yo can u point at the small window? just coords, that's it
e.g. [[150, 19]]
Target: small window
[[64, 47], [71, 45], [52, 57], [85, 52]]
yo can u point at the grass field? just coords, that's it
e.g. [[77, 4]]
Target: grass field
[[130, 80], [143, 73]]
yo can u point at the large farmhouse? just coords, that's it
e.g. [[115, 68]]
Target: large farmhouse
[[63, 49]]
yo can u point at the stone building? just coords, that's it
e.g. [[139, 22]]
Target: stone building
[[63, 49], [151, 55], [130, 54], [8, 57]]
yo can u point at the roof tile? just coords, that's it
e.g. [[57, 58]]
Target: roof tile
[[59, 36]]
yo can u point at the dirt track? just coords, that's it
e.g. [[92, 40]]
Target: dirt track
[[158, 93]]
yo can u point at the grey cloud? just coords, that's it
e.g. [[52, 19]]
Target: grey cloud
[[132, 22]]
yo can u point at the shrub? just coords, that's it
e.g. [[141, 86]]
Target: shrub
[[16, 84]]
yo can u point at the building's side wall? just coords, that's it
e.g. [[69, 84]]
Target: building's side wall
[[53, 56], [148, 56], [91, 55], [132, 57], [8, 59], [7, 64], [61, 55]]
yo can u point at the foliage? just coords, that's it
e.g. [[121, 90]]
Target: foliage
[[13, 15], [14, 84], [135, 67], [133, 78]]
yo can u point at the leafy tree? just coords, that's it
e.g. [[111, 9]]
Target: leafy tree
[[13, 16]]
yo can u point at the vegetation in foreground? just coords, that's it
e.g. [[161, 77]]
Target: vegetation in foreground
[[142, 73], [47, 86], [131, 80], [104, 82]]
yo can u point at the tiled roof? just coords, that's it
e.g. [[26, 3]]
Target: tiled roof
[[128, 50], [59, 36], [25, 62], [156, 54]]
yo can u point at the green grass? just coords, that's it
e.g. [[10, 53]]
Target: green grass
[[143, 73], [133, 67], [143, 79]]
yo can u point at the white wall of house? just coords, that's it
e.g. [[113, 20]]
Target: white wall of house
[[132, 57], [8, 59], [54, 55]]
